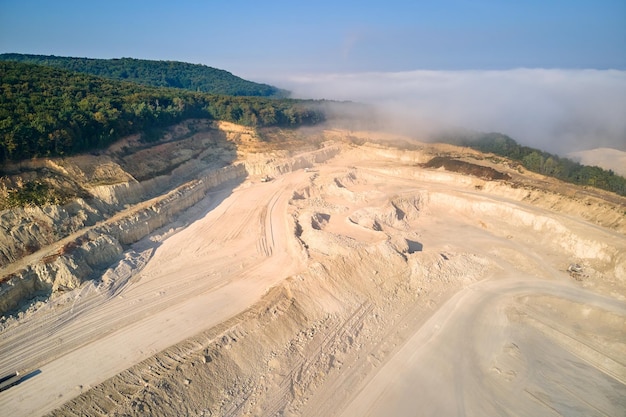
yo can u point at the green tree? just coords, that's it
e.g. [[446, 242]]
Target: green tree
[[533, 161], [46, 111]]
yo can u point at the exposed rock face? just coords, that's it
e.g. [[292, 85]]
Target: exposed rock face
[[64, 270], [142, 222], [74, 262], [25, 230], [54, 248]]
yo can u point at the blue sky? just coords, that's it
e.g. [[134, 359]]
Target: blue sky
[[249, 37]]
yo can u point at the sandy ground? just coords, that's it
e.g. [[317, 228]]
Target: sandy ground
[[493, 349], [479, 317]]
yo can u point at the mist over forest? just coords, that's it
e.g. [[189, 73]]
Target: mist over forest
[[560, 111]]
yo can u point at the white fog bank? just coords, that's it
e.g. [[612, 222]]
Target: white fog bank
[[556, 110]]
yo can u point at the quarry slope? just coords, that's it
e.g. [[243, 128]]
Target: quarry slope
[[345, 278]]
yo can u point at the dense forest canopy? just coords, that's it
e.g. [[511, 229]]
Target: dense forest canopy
[[199, 78], [46, 111], [542, 162]]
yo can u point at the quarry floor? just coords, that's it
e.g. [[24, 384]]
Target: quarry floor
[[363, 286]]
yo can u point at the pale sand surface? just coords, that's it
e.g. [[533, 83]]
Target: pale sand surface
[[480, 354], [516, 336]]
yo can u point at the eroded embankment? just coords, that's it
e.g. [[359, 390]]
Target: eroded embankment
[[596, 206], [56, 248], [80, 257], [86, 189]]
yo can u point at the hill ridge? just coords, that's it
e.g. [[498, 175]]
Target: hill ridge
[[47, 111], [156, 73]]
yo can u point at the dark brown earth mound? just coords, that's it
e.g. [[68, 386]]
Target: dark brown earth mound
[[463, 167]]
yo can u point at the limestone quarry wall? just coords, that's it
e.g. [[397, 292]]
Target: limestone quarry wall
[[132, 228], [266, 165], [78, 260], [86, 242], [25, 230]]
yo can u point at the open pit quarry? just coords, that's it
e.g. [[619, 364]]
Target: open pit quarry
[[225, 271]]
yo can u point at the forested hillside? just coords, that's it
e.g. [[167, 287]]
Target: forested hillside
[[46, 111], [543, 162], [199, 78]]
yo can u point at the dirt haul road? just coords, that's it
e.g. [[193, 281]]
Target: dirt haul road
[[397, 290]]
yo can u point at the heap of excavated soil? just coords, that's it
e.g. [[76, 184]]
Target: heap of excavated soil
[[358, 280]]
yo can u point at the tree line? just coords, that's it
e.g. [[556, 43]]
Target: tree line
[[46, 111], [543, 162], [193, 77]]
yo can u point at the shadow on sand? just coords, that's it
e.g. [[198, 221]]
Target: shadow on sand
[[16, 378]]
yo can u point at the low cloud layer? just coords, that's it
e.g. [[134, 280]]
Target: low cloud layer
[[555, 110]]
